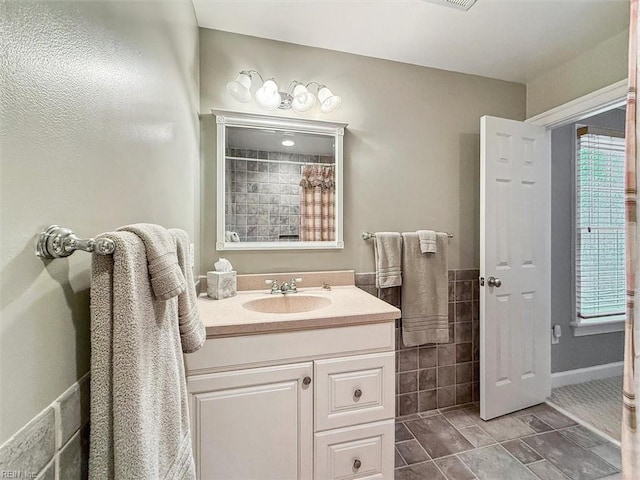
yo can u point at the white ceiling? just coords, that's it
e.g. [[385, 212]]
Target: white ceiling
[[514, 40]]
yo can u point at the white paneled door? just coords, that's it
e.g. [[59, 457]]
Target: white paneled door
[[515, 238]]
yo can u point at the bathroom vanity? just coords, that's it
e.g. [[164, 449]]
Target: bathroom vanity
[[305, 392]]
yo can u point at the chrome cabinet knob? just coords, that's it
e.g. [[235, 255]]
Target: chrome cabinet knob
[[357, 464], [494, 282], [357, 393], [306, 381]]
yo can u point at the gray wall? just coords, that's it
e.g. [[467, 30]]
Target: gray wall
[[573, 352], [99, 128], [412, 146], [604, 64]]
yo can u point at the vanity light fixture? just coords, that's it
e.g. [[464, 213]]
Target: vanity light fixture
[[288, 140], [269, 97]]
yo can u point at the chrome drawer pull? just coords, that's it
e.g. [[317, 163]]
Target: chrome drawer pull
[[357, 393], [357, 464]]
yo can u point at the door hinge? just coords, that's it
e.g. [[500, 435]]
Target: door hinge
[[481, 281]]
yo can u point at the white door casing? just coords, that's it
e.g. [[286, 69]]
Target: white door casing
[[515, 241]]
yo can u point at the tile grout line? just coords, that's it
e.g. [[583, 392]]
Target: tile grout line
[[559, 431], [545, 460], [468, 450], [589, 450], [468, 468], [524, 465], [400, 453], [419, 444], [579, 421], [519, 417], [440, 470]]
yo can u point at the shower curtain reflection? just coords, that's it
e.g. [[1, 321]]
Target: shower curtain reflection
[[317, 203]]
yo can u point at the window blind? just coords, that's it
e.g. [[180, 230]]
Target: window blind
[[600, 224]]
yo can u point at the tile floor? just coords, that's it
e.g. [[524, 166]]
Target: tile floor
[[538, 443]]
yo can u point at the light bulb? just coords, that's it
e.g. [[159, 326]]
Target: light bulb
[[268, 96], [240, 88], [328, 101], [303, 99], [288, 143]]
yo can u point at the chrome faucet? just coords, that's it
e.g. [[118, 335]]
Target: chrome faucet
[[290, 287], [275, 288], [286, 288]]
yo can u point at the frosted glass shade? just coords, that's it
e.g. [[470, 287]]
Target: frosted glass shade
[[328, 101], [240, 88], [268, 96], [303, 99]]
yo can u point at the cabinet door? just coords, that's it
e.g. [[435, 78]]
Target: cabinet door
[[352, 390], [254, 424]]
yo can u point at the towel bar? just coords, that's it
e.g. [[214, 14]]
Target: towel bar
[[369, 236], [60, 242]]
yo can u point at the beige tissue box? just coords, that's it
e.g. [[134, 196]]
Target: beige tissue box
[[221, 284]]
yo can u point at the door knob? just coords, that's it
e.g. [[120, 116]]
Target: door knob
[[494, 282]]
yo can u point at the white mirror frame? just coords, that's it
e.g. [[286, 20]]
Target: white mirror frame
[[224, 119]]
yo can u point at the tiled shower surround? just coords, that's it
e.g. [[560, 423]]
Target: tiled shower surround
[[263, 194], [438, 375]]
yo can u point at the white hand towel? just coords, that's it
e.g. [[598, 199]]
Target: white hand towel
[[425, 292], [388, 256], [427, 241]]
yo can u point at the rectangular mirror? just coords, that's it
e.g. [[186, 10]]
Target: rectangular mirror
[[279, 182]]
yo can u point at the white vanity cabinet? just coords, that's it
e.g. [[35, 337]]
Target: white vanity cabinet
[[322, 412]]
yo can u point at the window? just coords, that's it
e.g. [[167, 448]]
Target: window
[[600, 226]]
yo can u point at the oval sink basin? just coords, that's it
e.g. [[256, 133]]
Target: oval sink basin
[[293, 303]]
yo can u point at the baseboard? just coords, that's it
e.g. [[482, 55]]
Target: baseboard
[[580, 375]]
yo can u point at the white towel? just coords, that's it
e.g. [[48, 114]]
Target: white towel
[[192, 331], [425, 292], [166, 276], [140, 424], [427, 241], [388, 257], [231, 236]]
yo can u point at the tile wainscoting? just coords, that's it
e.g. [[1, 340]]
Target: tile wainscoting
[[438, 375], [55, 444]]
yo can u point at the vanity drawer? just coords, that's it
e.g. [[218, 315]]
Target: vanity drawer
[[363, 451], [354, 390]]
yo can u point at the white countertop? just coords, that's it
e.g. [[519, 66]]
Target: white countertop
[[349, 306]]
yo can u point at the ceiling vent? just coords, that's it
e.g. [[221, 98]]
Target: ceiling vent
[[457, 4]]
